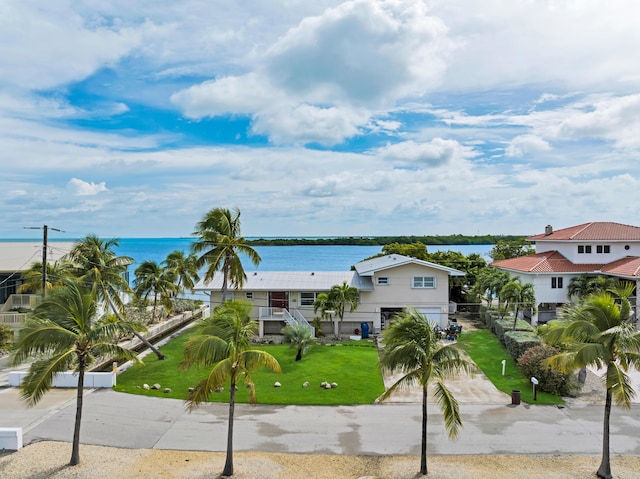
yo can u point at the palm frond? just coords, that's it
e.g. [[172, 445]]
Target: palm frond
[[450, 409], [40, 376], [216, 378]]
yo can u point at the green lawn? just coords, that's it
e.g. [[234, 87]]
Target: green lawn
[[353, 366], [487, 352]]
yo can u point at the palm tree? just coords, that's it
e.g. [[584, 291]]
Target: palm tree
[[220, 244], [582, 286], [412, 347], [57, 272], [598, 332], [97, 264], [489, 283], [151, 278], [300, 336], [520, 295], [322, 304], [223, 341], [185, 268], [63, 333], [341, 296]]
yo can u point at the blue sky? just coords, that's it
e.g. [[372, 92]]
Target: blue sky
[[366, 117]]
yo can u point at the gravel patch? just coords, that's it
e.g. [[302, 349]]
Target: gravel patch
[[46, 459]]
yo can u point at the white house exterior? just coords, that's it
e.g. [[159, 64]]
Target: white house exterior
[[387, 285], [599, 248]]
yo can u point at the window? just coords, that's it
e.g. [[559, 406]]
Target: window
[[382, 280], [584, 249], [249, 295], [603, 248], [424, 282], [307, 298], [556, 282]]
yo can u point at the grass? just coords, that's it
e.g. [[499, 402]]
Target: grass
[[487, 352], [352, 365]]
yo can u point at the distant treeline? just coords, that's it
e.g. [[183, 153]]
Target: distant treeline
[[384, 240]]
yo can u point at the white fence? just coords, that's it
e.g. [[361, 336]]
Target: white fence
[[69, 380]]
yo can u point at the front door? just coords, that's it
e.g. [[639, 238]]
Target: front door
[[279, 299]]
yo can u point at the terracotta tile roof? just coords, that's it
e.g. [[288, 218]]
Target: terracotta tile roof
[[605, 231], [546, 262], [629, 266]]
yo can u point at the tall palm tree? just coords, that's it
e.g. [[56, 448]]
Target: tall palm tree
[[98, 265], [322, 304], [412, 347], [518, 295], [582, 286], [185, 268], [57, 272], [598, 332], [341, 296], [221, 244], [300, 336], [162, 282], [63, 333], [489, 283], [223, 341]]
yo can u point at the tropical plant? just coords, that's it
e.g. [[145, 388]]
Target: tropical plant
[[63, 333], [413, 348], [583, 285], [322, 304], [341, 296], [533, 364], [490, 282], [598, 332], [519, 296], [56, 273], [6, 335], [96, 263], [185, 267], [153, 279], [220, 243], [300, 336], [223, 342]]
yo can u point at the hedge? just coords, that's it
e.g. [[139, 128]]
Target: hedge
[[502, 326], [517, 342]]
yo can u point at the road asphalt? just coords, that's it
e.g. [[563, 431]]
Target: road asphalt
[[130, 421]]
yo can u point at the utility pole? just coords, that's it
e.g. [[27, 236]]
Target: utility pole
[[45, 229]]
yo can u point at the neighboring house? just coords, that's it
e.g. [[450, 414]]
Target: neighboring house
[[16, 257], [603, 248], [387, 285]]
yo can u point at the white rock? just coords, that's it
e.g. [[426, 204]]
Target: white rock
[[167, 390], [305, 384], [327, 386], [145, 386], [334, 385], [276, 384], [155, 386], [323, 384]]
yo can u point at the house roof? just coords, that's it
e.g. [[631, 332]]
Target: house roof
[[20, 255], [594, 231], [555, 262], [371, 266], [292, 281]]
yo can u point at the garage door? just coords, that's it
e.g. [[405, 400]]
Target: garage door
[[433, 314]]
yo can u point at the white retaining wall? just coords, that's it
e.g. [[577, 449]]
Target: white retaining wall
[[69, 380], [10, 438]]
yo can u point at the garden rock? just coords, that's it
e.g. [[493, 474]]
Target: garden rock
[[167, 390], [276, 384], [305, 384], [334, 385], [327, 386], [145, 386], [191, 390], [155, 386]]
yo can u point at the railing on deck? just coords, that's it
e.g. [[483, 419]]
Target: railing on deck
[[282, 314]]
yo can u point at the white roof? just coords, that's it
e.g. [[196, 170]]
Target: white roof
[[19, 255], [292, 281], [370, 266]]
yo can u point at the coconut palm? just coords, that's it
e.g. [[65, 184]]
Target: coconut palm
[[322, 304], [598, 332], [185, 268], [582, 286], [300, 336], [489, 283], [341, 296], [56, 273], [63, 333], [412, 347], [223, 341], [97, 264], [220, 243], [518, 295], [152, 279]]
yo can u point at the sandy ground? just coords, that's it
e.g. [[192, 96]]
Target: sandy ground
[[49, 460]]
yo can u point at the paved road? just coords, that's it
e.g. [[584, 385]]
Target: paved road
[[130, 421]]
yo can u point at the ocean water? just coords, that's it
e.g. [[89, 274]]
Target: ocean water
[[277, 258]]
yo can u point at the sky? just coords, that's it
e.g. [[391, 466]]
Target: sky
[[318, 118]]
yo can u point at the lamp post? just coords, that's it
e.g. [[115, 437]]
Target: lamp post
[[534, 381]]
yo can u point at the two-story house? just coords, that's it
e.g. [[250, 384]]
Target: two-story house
[[598, 248], [387, 285]]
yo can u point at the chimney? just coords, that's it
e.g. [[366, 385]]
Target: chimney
[[548, 230]]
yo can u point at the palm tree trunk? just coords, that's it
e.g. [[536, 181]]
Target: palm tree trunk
[[155, 303], [515, 319], [299, 354], [228, 464], [140, 337], [423, 448], [75, 448], [604, 471]]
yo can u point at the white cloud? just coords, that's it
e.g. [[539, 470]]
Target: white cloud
[[437, 152], [525, 144], [83, 188]]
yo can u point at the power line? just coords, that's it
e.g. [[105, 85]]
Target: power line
[[45, 230]]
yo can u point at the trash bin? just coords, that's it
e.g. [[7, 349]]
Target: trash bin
[[515, 396], [365, 330]]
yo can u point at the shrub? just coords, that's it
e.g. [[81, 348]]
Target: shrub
[[531, 363], [181, 305], [517, 342], [502, 326], [6, 335]]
